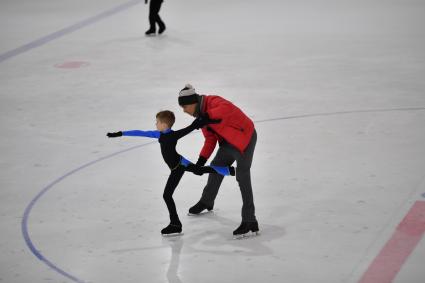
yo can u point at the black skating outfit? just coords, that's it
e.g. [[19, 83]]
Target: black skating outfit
[[177, 164]]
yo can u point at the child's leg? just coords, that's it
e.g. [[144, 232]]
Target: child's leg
[[224, 170], [172, 182]]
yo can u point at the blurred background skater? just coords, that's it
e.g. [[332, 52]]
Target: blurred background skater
[[154, 17]]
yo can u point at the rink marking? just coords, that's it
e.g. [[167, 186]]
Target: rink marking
[[28, 209], [25, 218], [387, 264], [82, 24], [341, 113]]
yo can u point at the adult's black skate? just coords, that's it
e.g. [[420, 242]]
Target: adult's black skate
[[172, 230], [198, 208], [246, 229]]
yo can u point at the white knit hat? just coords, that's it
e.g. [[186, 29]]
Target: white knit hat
[[188, 95]]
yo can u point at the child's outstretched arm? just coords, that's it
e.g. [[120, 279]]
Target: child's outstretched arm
[[135, 133], [196, 124], [182, 132]]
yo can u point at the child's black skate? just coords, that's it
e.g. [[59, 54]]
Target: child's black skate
[[172, 230], [246, 229], [198, 208]]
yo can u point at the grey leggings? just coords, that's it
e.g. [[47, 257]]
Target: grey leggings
[[226, 155]]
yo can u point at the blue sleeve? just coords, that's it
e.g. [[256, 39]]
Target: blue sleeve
[[137, 133]]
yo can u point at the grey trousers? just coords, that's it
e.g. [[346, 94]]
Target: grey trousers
[[226, 155]]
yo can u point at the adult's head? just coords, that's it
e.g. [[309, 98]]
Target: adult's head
[[188, 99]]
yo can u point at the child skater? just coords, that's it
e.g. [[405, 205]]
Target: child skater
[[177, 163]]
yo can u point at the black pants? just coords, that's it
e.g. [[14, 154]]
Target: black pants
[[154, 17], [172, 183], [225, 156]]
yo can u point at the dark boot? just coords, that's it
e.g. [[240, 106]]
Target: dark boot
[[172, 229], [245, 228], [150, 31], [198, 208], [161, 28]]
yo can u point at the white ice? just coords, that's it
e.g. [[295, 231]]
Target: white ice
[[337, 91]]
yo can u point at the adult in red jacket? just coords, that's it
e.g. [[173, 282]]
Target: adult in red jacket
[[236, 137]]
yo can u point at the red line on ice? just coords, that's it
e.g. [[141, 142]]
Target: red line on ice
[[393, 255]]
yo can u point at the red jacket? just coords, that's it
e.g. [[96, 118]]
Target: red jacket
[[235, 127]]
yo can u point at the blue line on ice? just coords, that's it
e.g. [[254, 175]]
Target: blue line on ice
[[42, 192], [24, 224], [82, 24]]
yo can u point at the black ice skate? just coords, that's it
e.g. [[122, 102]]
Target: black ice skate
[[198, 208], [172, 230], [246, 229], [161, 28], [150, 32]]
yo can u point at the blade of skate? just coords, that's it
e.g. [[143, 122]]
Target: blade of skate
[[246, 235], [172, 235], [202, 213]]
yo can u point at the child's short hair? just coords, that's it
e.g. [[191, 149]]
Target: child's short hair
[[166, 117]]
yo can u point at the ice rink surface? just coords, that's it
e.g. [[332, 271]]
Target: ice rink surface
[[337, 93]]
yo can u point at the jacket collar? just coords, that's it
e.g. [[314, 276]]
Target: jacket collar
[[200, 106]]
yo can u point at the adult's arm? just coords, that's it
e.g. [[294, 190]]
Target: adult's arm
[[209, 144]]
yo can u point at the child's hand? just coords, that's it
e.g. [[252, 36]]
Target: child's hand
[[114, 135], [207, 120], [197, 124], [203, 121]]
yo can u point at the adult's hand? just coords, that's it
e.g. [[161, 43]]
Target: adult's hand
[[197, 170]]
